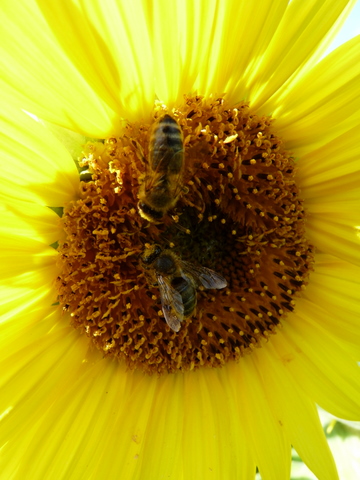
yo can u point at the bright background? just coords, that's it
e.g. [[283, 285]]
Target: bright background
[[350, 29]]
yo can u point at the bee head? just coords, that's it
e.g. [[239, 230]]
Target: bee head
[[151, 254]]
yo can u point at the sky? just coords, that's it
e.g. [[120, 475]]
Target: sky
[[350, 29]]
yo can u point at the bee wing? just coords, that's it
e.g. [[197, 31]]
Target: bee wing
[[160, 174], [153, 178], [207, 277], [172, 304]]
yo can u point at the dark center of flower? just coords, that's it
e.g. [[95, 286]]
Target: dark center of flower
[[238, 214]]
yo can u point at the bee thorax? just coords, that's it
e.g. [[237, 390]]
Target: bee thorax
[[165, 265]]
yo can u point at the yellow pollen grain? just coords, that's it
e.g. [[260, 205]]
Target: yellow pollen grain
[[230, 138]]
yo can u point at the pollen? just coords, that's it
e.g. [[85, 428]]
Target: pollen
[[239, 214]]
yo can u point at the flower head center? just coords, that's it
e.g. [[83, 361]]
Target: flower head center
[[236, 213]]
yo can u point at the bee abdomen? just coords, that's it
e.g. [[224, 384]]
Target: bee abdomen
[[187, 292], [166, 145]]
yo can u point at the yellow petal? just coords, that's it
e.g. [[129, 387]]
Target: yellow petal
[[333, 291], [215, 445], [24, 219], [26, 262], [265, 436], [290, 41], [75, 415], [29, 336], [235, 438], [219, 46], [115, 44], [296, 414], [239, 48], [322, 104], [329, 179], [333, 233], [132, 396], [65, 73], [24, 303], [332, 168], [35, 165], [320, 364], [160, 454], [51, 357]]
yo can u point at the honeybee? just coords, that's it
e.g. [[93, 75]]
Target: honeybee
[[178, 281], [162, 186]]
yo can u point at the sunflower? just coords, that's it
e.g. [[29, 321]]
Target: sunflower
[[95, 381]]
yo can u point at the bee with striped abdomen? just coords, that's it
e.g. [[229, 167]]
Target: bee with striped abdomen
[[177, 281], [162, 184]]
